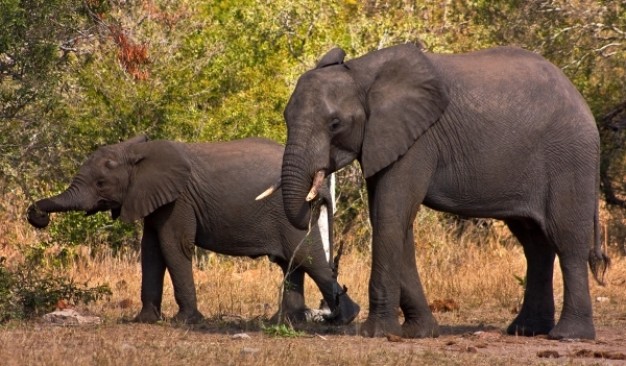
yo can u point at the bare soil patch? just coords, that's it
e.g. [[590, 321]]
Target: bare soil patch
[[215, 342]]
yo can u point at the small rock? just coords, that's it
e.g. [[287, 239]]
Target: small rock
[[486, 335], [70, 317], [241, 336], [471, 349], [602, 299]]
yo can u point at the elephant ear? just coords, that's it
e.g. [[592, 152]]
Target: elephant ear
[[160, 172], [404, 99], [332, 57]]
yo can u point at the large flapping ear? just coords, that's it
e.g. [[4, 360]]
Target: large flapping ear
[[405, 98], [160, 173], [332, 57]]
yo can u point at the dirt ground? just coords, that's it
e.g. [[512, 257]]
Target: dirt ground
[[231, 340]]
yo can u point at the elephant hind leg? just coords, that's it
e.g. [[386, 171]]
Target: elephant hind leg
[[292, 307], [576, 321], [537, 313], [343, 309]]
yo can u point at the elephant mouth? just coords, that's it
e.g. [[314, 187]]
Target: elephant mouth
[[104, 205], [318, 179]]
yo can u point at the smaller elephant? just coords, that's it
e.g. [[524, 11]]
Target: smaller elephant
[[201, 194]]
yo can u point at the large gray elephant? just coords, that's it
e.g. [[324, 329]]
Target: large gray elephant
[[498, 133], [200, 194]]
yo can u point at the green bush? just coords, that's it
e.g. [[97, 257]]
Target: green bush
[[31, 290], [80, 74], [74, 228]]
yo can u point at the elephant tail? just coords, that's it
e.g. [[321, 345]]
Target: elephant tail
[[599, 262]]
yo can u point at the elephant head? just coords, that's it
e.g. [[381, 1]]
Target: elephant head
[[132, 179], [371, 108]]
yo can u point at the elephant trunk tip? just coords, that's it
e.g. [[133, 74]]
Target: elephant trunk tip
[[36, 217]]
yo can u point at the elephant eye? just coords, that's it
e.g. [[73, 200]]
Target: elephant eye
[[100, 183], [334, 124]]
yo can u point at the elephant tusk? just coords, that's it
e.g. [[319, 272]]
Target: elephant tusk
[[317, 183], [273, 188]]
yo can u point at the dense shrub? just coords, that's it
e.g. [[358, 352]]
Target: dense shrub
[[78, 74]]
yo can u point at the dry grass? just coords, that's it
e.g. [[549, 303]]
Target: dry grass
[[236, 294]]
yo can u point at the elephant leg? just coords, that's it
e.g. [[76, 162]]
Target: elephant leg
[[394, 282], [384, 285], [537, 313], [419, 321], [344, 309], [292, 307], [576, 321], [152, 274], [177, 245]]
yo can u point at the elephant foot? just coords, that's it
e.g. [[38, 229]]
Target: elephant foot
[[289, 316], [529, 327], [573, 329], [345, 313], [188, 317], [378, 327], [420, 328], [148, 315]]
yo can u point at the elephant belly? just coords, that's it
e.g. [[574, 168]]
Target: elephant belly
[[484, 195], [234, 243]]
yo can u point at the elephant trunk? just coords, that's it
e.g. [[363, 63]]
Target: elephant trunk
[[296, 185], [37, 213]]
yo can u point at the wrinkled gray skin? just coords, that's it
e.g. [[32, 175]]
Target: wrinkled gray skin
[[199, 194], [499, 133]]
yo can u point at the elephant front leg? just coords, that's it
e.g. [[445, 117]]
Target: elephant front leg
[[394, 282], [152, 274], [384, 286], [419, 321]]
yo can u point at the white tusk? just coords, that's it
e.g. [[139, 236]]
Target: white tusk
[[269, 191], [317, 183], [322, 225]]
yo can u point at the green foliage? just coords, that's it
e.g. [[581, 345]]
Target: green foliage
[[79, 74], [74, 228], [31, 290], [282, 331]]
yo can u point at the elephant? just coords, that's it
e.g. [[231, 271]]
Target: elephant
[[202, 194], [497, 133]]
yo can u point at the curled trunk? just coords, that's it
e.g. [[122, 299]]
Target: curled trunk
[[37, 213]]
